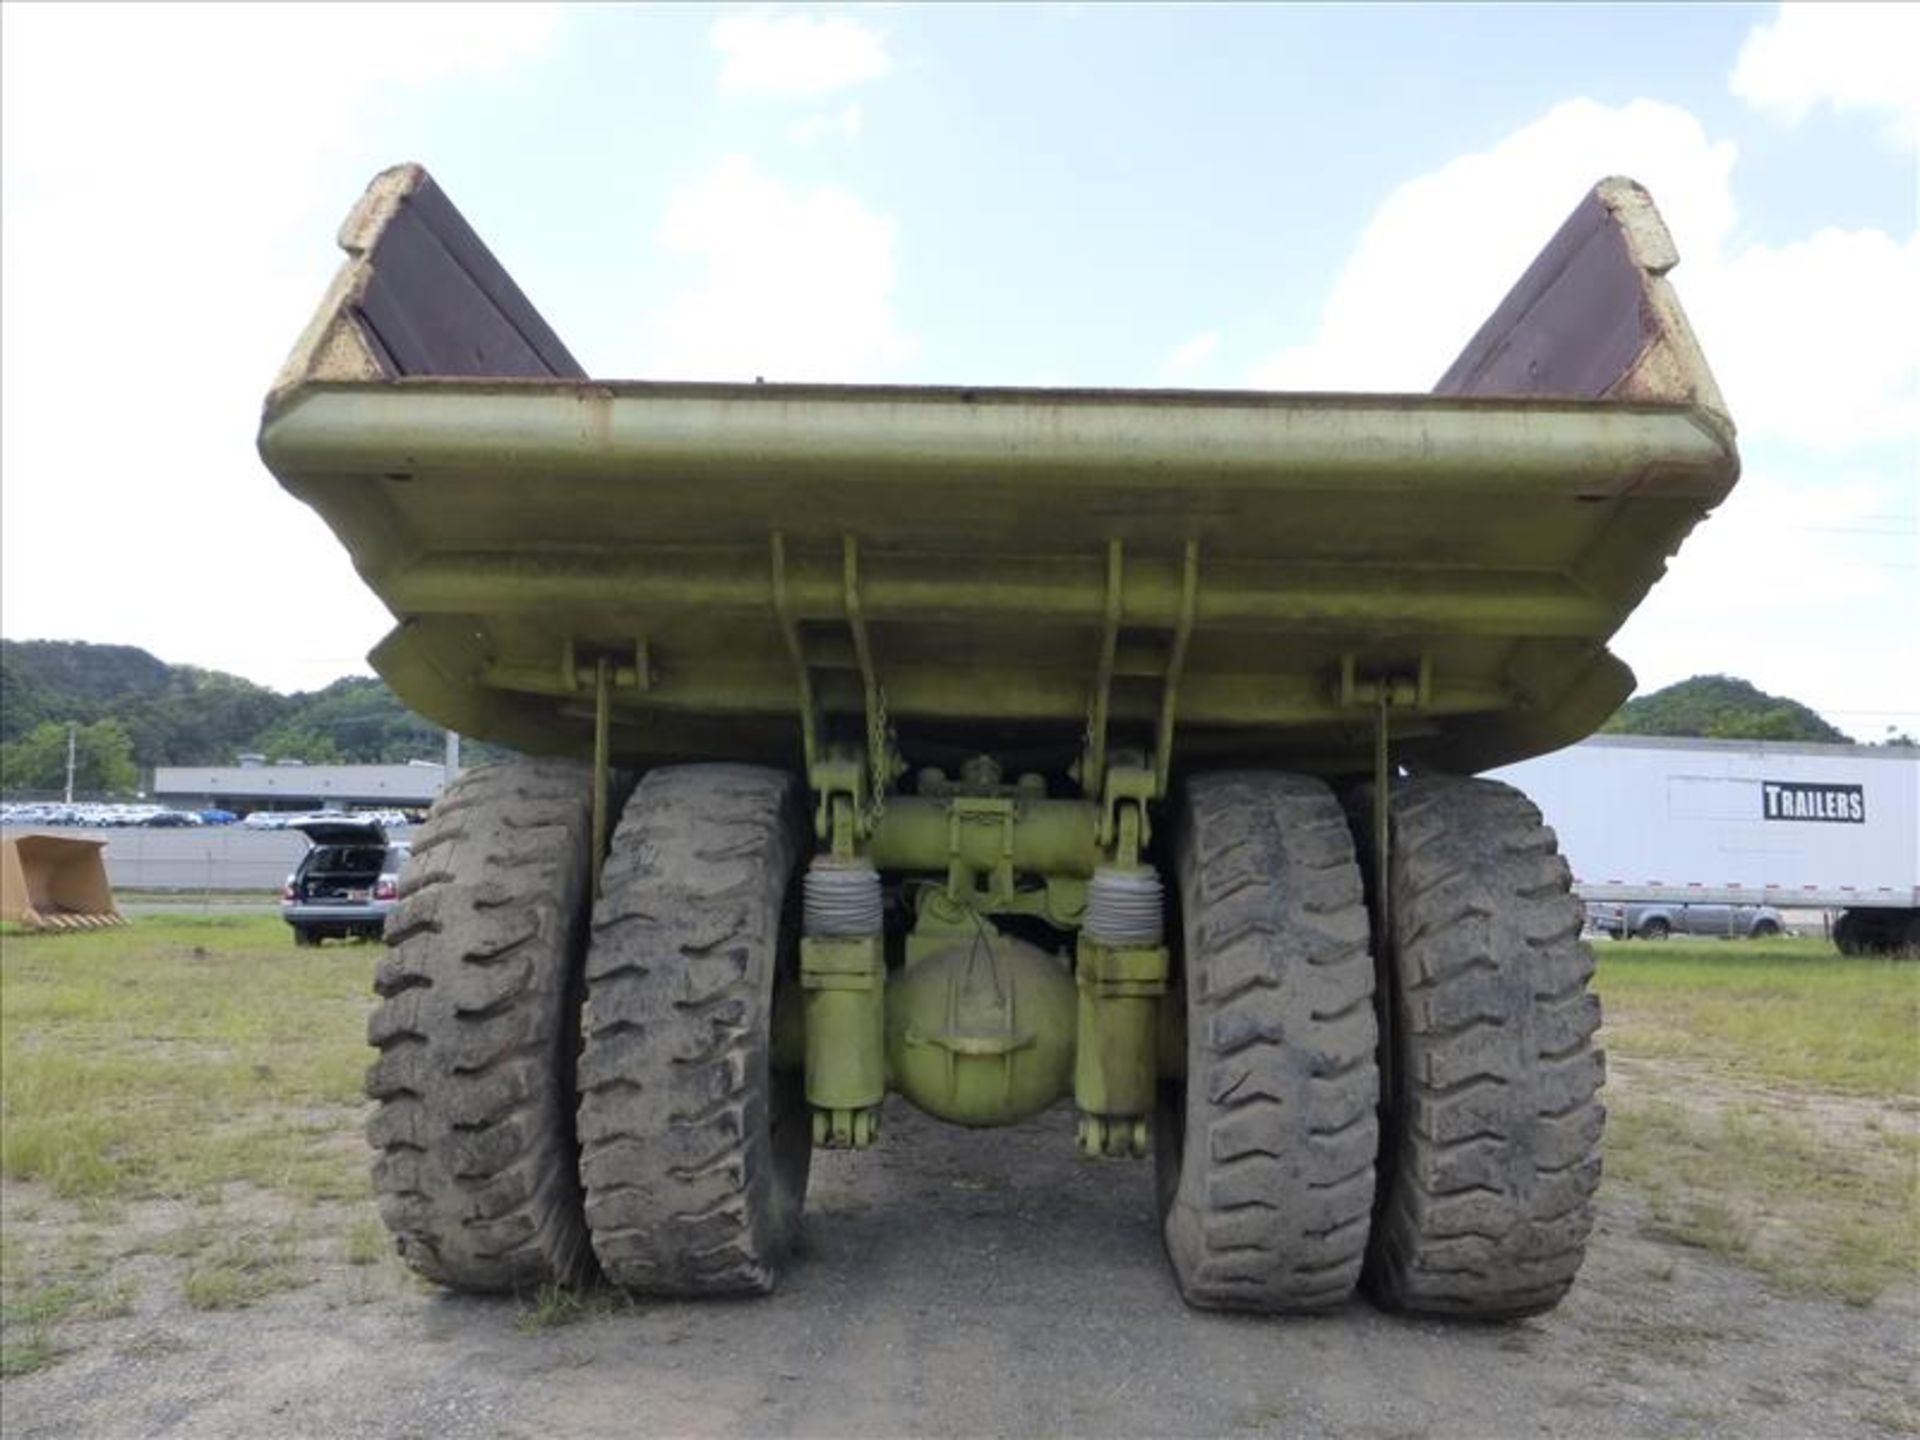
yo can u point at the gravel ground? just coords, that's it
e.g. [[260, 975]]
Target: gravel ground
[[984, 1284]]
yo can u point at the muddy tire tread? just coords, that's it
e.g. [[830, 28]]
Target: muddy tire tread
[[1487, 1201], [475, 1167], [684, 1193], [1271, 1205]]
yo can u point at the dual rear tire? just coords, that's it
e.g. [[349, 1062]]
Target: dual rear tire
[[695, 1146], [1424, 1123], [1430, 1126], [679, 1161], [1491, 1152]]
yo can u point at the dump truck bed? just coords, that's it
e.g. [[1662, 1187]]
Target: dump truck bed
[[991, 565]]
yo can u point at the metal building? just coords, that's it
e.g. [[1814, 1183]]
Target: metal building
[[246, 787]]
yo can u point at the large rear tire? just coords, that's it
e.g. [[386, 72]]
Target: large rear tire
[[1492, 1148], [1873, 932], [477, 1030], [1266, 1149], [695, 1148], [1846, 935]]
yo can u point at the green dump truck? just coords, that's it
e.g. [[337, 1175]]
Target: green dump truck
[[996, 748]]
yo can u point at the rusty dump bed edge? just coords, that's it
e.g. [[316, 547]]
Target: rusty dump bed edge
[[972, 555]]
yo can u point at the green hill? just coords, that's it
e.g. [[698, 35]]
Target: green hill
[[1719, 707], [136, 712]]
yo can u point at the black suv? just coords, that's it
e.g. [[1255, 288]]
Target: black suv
[[345, 884]]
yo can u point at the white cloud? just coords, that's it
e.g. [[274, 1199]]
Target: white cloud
[[843, 124], [1816, 344], [1853, 57], [1804, 586], [124, 87], [1442, 249], [796, 56], [172, 176], [793, 284], [1812, 342], [1194, 352]]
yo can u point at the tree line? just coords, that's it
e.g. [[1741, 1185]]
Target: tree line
[[1720, 707], [131, 712]]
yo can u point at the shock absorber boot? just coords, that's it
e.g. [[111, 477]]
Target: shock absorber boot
[[1126, 907], [1121, 974], [843, 976]]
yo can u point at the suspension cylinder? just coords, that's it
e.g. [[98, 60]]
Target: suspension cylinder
[[1121, 976], [843, 976]]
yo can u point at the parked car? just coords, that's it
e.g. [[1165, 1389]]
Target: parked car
[[172, 819], [1658, 920], [345, 886]]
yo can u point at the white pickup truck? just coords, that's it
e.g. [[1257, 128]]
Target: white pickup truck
[[1658, 919]]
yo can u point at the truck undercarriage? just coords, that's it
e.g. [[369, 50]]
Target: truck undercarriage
[[996, 749]]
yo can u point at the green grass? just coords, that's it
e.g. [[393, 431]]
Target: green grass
[[1813, 1215], [27, 1352], [178, 1055], [170, 1061], [32, 1307], [1773, 1183], [1791, 1011], [48, 1304], [242, 1268], [367, 1241], [554, 1306]]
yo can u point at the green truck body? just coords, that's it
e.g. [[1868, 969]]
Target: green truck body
[[1015, 646], [990, 539]]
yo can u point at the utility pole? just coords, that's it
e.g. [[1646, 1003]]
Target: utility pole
[[72, 730], [452, 766]]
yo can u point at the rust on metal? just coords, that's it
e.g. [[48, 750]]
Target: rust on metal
[[419, 295], [1594, 317]]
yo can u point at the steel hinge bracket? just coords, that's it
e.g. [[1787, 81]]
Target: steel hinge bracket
[[1381, 692], [604, 669], [1092, 767], [1123, 828]]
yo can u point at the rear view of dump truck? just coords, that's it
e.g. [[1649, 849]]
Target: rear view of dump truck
[[996, 749]]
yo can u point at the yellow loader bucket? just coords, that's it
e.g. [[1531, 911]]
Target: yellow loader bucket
[[49, 882]]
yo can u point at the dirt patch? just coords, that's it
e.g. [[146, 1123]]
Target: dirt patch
[[954, 1284], [1819, 1192], [1858, 1121]]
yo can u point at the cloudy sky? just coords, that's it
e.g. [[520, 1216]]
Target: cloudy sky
[[1286, 197]]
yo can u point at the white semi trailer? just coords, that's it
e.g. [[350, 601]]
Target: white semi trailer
[[1741, 822]]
